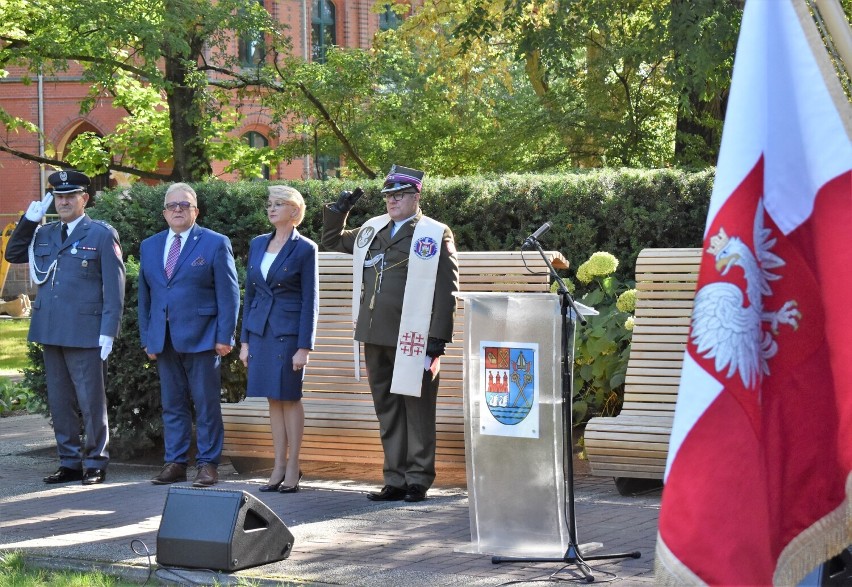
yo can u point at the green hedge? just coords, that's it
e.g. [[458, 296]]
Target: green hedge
[[618, 211]]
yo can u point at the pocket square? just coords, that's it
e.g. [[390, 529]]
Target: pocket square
[[199, 262]]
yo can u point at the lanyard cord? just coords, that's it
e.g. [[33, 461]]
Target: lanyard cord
[[34, 271]]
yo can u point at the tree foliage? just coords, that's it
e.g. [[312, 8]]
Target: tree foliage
[[460, 87], [169, 65]]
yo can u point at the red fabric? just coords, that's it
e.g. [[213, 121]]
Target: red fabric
[[759, 466], [752, 475]]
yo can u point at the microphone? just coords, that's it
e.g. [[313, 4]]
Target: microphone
[[532, 239]]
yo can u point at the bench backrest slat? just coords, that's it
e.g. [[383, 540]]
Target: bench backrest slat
[[338, 407], [618, 447]]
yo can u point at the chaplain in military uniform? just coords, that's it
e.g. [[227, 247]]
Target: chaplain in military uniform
[[405, 271], [76, 315]]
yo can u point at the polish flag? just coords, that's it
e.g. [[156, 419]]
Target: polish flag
[[758, 486]]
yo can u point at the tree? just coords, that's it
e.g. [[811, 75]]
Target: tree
[[703, 37], [599, 68], [168, 64]]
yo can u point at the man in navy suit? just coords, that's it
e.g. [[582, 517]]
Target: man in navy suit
[[188, 304], [76, 316]]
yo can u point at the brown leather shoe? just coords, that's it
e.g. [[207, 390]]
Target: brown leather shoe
[[171, 473], [206, 476]]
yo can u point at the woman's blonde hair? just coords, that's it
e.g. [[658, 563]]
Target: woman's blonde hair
[[289, 194]]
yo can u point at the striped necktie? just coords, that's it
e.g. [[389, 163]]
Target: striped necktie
[[174, 253]]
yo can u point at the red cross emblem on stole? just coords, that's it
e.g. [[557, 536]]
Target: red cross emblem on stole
[[411, 343]]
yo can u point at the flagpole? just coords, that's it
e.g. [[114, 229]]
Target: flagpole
[[829, 71], [839, 29]]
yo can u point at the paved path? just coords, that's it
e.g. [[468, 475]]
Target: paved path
[[341, 538]]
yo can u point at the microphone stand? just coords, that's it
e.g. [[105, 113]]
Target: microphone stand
[[572, 555]]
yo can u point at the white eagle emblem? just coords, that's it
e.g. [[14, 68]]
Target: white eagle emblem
[[365, 236], [723, 327]]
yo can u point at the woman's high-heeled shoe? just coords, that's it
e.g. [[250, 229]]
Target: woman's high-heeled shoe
[[271, 486], [293, 488]]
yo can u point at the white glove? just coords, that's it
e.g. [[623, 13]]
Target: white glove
[[37, 210], [105, 343]]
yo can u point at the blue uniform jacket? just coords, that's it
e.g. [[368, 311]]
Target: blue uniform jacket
[[287, 301], [200, 302], [83, 296]]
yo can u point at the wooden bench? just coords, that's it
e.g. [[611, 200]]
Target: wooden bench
[[635, 443], [340, 422]]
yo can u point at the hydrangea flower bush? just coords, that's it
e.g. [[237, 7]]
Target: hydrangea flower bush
[[603, 344]]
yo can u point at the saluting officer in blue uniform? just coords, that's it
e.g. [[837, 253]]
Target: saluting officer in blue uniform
[[76, 315]]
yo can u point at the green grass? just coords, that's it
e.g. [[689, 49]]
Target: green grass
[[13, 346], [14, 572]]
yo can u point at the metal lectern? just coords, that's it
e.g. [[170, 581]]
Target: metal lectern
[[514, 424]]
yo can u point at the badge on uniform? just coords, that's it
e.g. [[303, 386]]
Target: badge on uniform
[[375, 259], [365, 236], [425, 247]]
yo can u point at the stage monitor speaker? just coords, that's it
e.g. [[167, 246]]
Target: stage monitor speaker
[[219, 529], [837, 571]]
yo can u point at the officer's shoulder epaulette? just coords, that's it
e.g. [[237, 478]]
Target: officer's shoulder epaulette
[[107, 226]]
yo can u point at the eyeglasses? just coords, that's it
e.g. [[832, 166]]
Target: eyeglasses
[[172, 206], [397, 196], [276, 205]]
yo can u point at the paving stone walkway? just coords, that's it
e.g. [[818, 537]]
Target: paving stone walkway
[[340, 538]]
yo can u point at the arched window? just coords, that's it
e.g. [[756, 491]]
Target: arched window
[[255, 140], [251, 50], [322, 26], [389, 19]]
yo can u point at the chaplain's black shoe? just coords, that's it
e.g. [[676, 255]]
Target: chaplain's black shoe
[[388, 493], [94, 476], [64, 475], [415, 493]]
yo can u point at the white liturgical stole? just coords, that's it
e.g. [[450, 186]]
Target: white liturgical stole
[[417, 301]]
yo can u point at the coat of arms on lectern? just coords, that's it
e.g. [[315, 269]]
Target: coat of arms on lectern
[[509, 385]]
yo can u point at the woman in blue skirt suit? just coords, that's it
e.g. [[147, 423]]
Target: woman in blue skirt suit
[[279, 327]]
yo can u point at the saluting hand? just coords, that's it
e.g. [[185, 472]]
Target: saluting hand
[[347, 200], [37, 210]]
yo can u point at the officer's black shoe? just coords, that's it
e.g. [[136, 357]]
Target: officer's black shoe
[[64, 475], [94, 476]]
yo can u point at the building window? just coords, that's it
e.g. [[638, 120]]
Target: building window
[[251, 50], [255, 140], [389, 19], [327, 166], [322, 27]]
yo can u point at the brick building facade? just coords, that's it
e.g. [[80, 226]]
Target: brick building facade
[[53, 104]]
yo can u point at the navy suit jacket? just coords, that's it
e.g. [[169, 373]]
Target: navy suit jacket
[[287, 301], [200, 302]]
